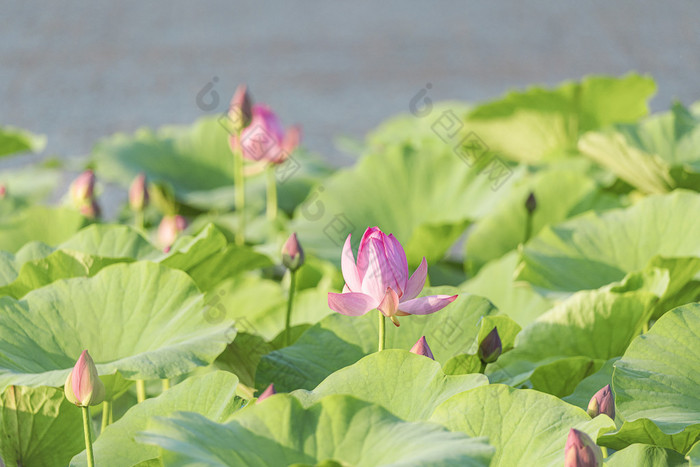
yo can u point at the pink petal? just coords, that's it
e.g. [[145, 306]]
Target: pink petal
[[362, 261], [389, 304], [351, 304], [397, 262], [291, 140], [416, 282], [426, 305], [378, 275], [347, 264]]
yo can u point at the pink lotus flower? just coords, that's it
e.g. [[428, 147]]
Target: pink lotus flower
[[581, 451], [269, 391], [292, 253], [264, 139], [83, 187], [380, 280], [169, 229], [138, 193], [421, 348], [83, 386]]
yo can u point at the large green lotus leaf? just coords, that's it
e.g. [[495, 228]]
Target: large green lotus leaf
[[644, 455], [141, 319], [197, 162], [280, 431], [38, 426], [32, 183], [561, 377], [409, 386], [694, 455], [560, 194], [338, 341], [37, 223], [595, 324], [656, 382], [591, 384], [516, 299], [654, 155], [540, 124], [526, 427], [402, 189], [212, 395], [15, 140], [596, 249]]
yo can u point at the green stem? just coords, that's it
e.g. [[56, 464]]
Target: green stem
[[139, 220], [483, 367], [88, 439], [290, 302], [140, 390], [382, 332], [239, 186], [166, 384], [271, 194], [106, 415], [528, 227], [645, 327], [605, 452]]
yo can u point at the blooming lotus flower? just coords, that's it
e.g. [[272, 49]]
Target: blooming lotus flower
[[581, 451], [269, 391], [169, 228], [421, 348], [138, 193], [380, 280], [292, 253], [264, 139], [83, 386], [602, 402], [490, 347], [83, 187]]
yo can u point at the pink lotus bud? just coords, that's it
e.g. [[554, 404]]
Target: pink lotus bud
[[82, 188], [490, 348], [265, 139], [138, 193], [90, 209], [421, 348], [581, 451], [169, 229], [292, 253], [240, 111], [380, 280], [292, 138], [83, 386], [531, 203], [269, 391], [602, 402], [3, 191]]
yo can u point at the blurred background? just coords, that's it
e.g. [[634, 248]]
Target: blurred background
[[77, 71]]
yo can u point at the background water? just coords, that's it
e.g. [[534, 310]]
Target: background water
[[78, 70]]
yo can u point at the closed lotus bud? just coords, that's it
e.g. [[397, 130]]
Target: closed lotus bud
[[602, 402], [138, 193], [82, 188], [241, 109], [3, 191], [292, 253], [168, 230], [531, 203], [83, 386], [421, 348], [490, 347], [269, 391], [90, 209], [581, 451]]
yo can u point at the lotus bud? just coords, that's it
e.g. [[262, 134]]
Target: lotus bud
[[138, 193], [602, 402], [269, 391], [292, 253], [531, 203], [83, 386], [3, 191], [421, 348], [581, 451], [241, 109], [168, 230], [490, 347], [90, 209], [82, 188]]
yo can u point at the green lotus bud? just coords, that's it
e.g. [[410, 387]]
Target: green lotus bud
[[490, 347]]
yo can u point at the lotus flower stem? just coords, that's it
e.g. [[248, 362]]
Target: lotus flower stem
[[239, 182], [271, 194], [166, 384], [528, 227], [483, 367], [382, 332], [140, 390], [290, 302], [88, 439], [139, 220], [604, 450], [106, 415], [645, 327]]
